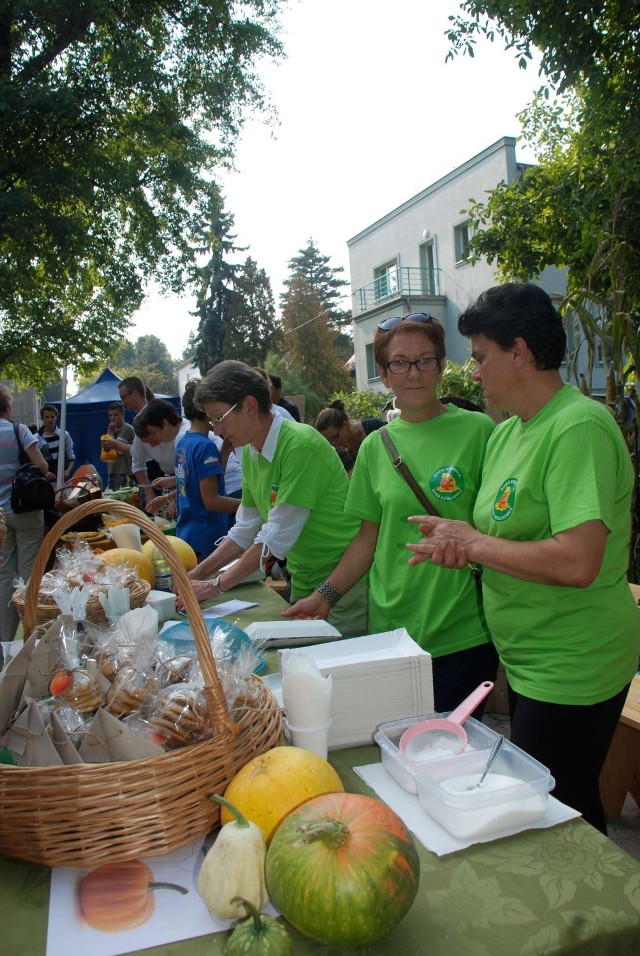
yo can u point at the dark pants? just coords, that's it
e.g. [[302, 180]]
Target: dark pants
[[456, 675], [572, 741], [118, 481]]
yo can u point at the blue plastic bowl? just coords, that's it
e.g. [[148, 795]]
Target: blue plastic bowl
[[181, 638]]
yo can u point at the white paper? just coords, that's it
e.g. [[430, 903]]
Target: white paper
[[428, 831], [174, 918], [227, 607]]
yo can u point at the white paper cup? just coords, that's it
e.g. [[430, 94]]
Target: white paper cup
[[315, 739], [127, 536]]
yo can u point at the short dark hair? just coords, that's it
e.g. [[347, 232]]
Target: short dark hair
[[515, 310], [192, 411], [132, 384], [276, 381], [432, 330], [115, 407], [231, 382], [153, 415], [48, 407]]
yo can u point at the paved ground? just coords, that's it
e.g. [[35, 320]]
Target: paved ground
[[625, 831]]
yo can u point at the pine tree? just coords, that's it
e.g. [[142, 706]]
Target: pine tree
[[215, 286], [252, 329], [310, 340], [314, 268]]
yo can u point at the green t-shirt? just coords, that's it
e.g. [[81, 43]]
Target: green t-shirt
[[566, 465], [305, 472], [438, 606]]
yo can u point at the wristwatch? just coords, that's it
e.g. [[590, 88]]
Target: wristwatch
[[216, 584]]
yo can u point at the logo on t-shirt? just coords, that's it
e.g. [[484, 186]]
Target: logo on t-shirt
[[274, 492], [502, 507], [447, 483]]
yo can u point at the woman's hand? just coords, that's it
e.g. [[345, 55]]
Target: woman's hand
[[314, 607], [445, 542], [204, 591]]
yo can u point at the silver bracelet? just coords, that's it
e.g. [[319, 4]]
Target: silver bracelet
[[329, 592]]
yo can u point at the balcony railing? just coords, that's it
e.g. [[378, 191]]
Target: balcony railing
[[403, 281]]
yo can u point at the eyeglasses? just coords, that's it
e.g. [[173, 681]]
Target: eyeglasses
[[216, 422], [413, 317], [401, 366]]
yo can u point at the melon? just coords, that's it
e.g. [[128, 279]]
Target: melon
[[273, 784], [139, 563], [186, 554]]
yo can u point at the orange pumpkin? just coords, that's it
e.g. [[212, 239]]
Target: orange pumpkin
[[118, 896]]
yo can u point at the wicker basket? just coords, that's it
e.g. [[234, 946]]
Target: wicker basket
[[45, 613], [87, 814]]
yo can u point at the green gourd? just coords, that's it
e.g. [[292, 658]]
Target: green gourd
[[258, 936]]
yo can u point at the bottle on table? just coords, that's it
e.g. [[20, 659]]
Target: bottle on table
[[164, 578]]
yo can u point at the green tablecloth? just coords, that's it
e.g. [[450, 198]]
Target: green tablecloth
[[565, 890]]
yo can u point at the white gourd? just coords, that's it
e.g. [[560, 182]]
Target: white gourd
[[234, 867]]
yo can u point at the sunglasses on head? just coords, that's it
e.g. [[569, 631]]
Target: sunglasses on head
[[413, 317]]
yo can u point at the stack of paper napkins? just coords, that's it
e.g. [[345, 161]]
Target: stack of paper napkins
[[375, 678]]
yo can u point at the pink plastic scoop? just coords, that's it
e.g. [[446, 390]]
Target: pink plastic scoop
[[442, 736]]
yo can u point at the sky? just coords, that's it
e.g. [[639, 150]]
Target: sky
[[369, 115]]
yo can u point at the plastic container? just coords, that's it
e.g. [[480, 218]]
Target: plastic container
[[403, 770], [514, 793], [164, 603]]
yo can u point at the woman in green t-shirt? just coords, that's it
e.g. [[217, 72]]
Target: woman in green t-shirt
[[443, 446], [552, 523], [293, 490]]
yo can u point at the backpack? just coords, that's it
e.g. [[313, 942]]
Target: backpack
[[30, 490]]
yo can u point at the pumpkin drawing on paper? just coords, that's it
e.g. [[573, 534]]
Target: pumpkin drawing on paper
[[119, 896]]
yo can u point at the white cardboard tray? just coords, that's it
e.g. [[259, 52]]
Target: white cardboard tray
[[291, 633], [376, 678]]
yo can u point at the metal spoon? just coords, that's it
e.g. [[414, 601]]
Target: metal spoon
[[495, 750]]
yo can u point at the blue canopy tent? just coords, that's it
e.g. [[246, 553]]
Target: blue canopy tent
[[87, 418]]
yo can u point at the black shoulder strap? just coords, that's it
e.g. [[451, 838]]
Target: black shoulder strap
[[406, 474]]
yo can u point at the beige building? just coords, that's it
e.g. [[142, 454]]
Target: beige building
[[414, 259]]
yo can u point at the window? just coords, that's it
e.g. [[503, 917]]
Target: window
[[372, 368], [427, 267], [461, 236], [385, 280]]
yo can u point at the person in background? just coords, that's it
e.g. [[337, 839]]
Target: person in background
[[202, 506], [276, 409], [334, 424], [20, 534], [293, 491], [443, 448], [50, 440], [134, 396], [277, 398], [120, 441], [551, 527]]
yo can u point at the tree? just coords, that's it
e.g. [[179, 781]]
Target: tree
[[114, 118], [252, 330], [214, 282], [150, 353], [580, 207], [324, 279], [310, 340]]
